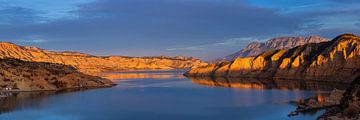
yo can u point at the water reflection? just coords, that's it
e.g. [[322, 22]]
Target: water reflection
[[171, 96], [270, 84], [13, 101], [16, 101], [142, 74]]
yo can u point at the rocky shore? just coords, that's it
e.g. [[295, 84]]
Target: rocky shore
[[339, 105], [17, 75], [318, 102], [349, 107]]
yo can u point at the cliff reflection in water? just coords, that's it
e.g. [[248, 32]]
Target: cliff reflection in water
[[13, 101], [269, 84], [142, 74], [16, 101]]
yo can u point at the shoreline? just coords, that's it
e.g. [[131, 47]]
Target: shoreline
[[62, 89], [318, 102]]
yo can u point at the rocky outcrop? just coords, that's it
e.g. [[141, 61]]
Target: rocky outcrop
[[349, 107], [285, 43], [94, 64], [18, 75], [319, 102], [336, 60]]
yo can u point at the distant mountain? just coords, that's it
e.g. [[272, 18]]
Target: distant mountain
[[93, 64], [256, 48], [336, 60]]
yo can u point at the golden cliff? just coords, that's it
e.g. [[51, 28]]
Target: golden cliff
[[336, 60], [32, 76], [93, 64]]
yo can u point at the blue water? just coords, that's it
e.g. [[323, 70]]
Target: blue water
[[162, 96]]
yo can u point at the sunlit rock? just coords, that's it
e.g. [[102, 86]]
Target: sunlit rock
[[336, 60], [285, 43], [94, 64]]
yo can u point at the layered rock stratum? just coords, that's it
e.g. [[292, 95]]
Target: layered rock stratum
[[21, 75], [93, 64], [335, 60], [285, 43]]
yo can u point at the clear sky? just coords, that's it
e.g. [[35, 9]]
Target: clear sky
[[201, 28]]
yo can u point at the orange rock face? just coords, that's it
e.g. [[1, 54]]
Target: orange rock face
[[93, 64], [336, 60]]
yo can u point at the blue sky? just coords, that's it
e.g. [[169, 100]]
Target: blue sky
[[201, 28]]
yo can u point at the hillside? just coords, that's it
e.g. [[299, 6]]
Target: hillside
[[92, 64], [285, 43], [336, 60], [32, 76]]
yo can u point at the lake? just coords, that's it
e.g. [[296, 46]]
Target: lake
[[167, 95]]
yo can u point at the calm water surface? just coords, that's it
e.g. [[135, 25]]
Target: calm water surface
[[165, 95]]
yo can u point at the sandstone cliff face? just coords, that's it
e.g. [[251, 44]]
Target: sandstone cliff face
[[256, 48], [92, 64], [336, 60], [32, 76]]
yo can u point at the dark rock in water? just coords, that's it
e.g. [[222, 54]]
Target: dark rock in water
[[318, 102], [349, 107]]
